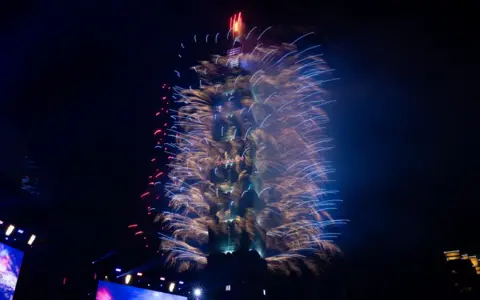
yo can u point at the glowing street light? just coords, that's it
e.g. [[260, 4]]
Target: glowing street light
[[197, 292], [10, 229], [31, 240], [128, 278]]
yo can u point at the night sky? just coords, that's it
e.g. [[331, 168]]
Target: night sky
[[79, 83]]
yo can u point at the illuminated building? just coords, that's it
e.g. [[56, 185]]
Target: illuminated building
[[463, 274]]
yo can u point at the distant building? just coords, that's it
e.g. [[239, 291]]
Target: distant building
[[30, 178], [463, 275]]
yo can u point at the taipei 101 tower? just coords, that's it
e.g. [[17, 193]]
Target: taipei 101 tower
[[247, 185]]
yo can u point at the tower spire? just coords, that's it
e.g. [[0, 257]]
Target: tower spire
[[237, 28]]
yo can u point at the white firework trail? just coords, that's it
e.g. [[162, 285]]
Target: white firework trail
[[251, 146]]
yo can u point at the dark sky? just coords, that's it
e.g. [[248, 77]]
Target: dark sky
[[79, 80]]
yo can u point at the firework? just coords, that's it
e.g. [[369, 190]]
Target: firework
[[250, 144]]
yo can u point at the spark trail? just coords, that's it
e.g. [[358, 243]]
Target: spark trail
[[251, 146]]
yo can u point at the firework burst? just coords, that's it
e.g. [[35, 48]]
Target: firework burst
[[250, 143]]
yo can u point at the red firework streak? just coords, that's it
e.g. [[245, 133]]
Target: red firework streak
[[163, 151], [160, 159]]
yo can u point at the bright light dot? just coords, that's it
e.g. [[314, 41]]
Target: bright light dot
[[162, 278], [180, 282], [197, 292], [31, 239], [171, 287], [264, 292], [128, 278], [139, 274], [10, 229], [118, 270], [228, 288]]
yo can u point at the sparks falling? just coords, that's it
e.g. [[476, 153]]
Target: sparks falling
[[251, 145]]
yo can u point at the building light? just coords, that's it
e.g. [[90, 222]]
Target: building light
[[140, 274], [474, 261], [21, 231], [452, 255], [31, 239], [118, 270], [180, 282], [234, 51], [128, 278], [264, 292], [171, 287], [10, 229], [162, 278], [228, 288]]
